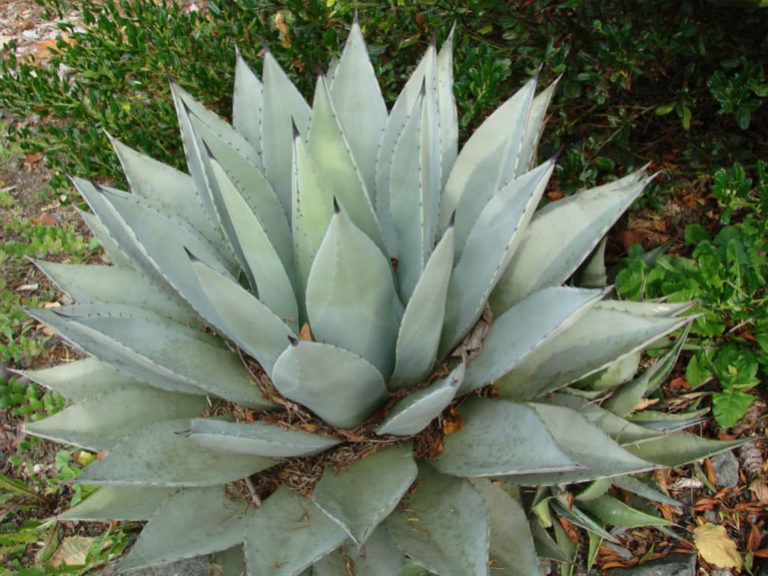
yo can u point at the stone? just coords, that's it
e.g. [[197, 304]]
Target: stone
[[672, 565], [726, 469], [198, 566]]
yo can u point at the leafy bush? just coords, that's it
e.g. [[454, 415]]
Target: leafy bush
[[726, 275]]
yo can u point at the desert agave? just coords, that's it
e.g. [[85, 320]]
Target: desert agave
[[338, 343]]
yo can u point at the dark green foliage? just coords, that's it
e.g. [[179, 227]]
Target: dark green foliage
[[726, 275]]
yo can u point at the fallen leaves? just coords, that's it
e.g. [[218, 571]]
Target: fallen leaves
[[72, 552], [716, 547]]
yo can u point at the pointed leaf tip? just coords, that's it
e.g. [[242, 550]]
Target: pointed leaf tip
[[293, 340], [452, 221], [191, 256], [265, 47], [295, 128], [336, 209]]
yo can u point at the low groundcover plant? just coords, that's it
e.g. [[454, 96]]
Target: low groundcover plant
[[339, 343]]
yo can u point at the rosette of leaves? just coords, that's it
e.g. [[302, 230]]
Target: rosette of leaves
[[339, 343]]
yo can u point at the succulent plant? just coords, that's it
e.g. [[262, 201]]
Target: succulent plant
[[339, 343]]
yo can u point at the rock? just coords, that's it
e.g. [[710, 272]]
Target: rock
[[672, 565], [726, 469]]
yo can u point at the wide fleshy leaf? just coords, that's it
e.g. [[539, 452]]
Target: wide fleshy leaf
[[414, 412], [122, 503], [512, 550], [593, 274], [81, 379], [265, 268], [525, 327], [646, 308], [679, 449], [486, 162], [284, 107], [175, 353], [501, 438], [114, 252], [287, 534], [545, 259], [668, 421], [419, 333], [172, 189], [312, 208], [190, 523], [242, 317], [360, 496], [575, 516], [91, 283], [444, 525], [598, 455], [340, 387], [379, 557], [614, 374], [614, 512], [357, 98], [595, 341], [489, 247], [350, 295], [641, 488], [99, 422], [447, 111], [533, 129], [257, 438], [329, 147], [248, 105], [158, 455]]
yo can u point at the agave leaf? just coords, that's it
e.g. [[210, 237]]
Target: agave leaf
[[100, 232], [118, 232], [681, 448], [444, 526], [257, 438], [361, 108], [252, 193], [329, 147], [248, 106], [493, 172], [545, 545], [488, 249], [170, 188], [230, 562], [157, 455], [123, 503], [624, 401], [360, 496], [446, 106], [312, 209], [99, 422], [636, 486], [525, 327], [174, 353], [486, 163], [81, 379], [414, 412], [667, 422], [594, 275], [595, 341], [163, 241], [340, 387], [500, 438], [614, 512], [595, 490], [283, 106], [546, 259], [647, 308], [242, 317], [586, 444], [575, 516], [266, 269], [614, 375], [109, 351], [533, 129], [410, 198], [190, 523], [379, 557], [398, 117], [511, 542], [419, 333], [91, 283], [350, 293], [287, 534]]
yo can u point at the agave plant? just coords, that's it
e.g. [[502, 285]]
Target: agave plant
[[338, 343]]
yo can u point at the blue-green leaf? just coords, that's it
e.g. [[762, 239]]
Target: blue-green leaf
[[124, 503]]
